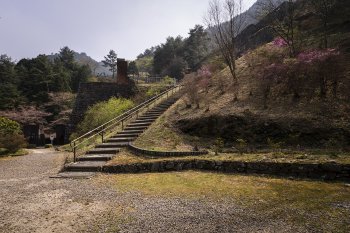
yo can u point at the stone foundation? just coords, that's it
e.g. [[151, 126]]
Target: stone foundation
[[328, 171]]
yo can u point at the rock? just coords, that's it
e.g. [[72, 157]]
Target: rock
[[155, 167]]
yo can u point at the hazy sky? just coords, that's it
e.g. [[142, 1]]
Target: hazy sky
[[32, 27]]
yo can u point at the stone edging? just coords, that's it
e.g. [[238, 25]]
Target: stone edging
[[328, 171], [140, 151]]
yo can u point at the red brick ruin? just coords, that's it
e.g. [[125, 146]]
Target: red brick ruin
[[122, 71]]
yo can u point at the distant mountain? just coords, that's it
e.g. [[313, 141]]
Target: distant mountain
[[97, 68], [252, 15]]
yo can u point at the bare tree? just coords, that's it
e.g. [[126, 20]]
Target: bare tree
[[281, 15], [322, 9], [225, 21]]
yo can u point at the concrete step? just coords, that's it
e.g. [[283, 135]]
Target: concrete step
[[103, 157], [85, 166], [74, 175], [139, 124], [161, 109], [107, 145], [136, 127], [114, 140], [154, 111], [143, 121], [119, 144], [98, 151], [126, 131], [150, 118], [151, 115], [130, 136]]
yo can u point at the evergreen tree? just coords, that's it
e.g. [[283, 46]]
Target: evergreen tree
[[196, 47], [132, 68], [9, 94], [111, 62], [36, 78], [66, 56]]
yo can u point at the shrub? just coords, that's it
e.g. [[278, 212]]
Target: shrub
[[103, 112], [218, 145], [167, 81], [324, 67], [12, 142], [204, 74], [241, 145], [154, 90], [11, 137], [191, 90], [8, 126]]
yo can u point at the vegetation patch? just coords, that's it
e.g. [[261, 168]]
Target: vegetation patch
[[101, 113], [318, 157], [319, 206], [11, 136]]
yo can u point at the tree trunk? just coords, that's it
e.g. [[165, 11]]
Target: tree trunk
[[322, 87], [325, 35]]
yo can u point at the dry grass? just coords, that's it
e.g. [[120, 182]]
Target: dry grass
[[126, 157], [161, 131], [323, 206], [163, 136]]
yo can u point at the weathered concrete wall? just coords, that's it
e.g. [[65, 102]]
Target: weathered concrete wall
[[92, 93]]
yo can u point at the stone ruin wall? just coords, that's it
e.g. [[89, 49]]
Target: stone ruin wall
[[92, 93]]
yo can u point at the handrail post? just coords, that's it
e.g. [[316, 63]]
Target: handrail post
[[102, 133], [122, 124], [74, 152]]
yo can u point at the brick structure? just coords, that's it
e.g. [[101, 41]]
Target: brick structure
[[122, 71]]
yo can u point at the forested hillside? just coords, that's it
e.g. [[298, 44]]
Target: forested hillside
[[40, 89]]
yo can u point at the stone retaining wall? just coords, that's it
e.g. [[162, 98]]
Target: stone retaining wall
[[140, 151], [327, 171], [92, 93]]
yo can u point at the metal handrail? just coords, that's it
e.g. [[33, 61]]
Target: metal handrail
[[101, 130]]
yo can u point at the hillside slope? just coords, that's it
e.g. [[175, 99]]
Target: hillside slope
[[260, 114]]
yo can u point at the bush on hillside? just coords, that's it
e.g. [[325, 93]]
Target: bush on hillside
[[103, 112], [197, 84], [11, 136], [311, 73]]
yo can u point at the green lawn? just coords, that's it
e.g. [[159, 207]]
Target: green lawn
[[325, 207], [4, 153]]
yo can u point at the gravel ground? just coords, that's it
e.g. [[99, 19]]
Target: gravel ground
[[32, 202]]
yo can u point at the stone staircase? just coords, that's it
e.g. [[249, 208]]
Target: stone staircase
[[94, 159]]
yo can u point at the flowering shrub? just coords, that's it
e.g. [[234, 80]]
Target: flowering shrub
[[317, 68], [279, 42], [204, 72], [204, 75], [317, 56], [191, 90]]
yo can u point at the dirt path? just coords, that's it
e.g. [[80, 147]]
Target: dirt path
[[30, 201]]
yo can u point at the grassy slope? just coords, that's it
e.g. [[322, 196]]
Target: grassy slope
[[163, 136], [278, 157], [316, 206]]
